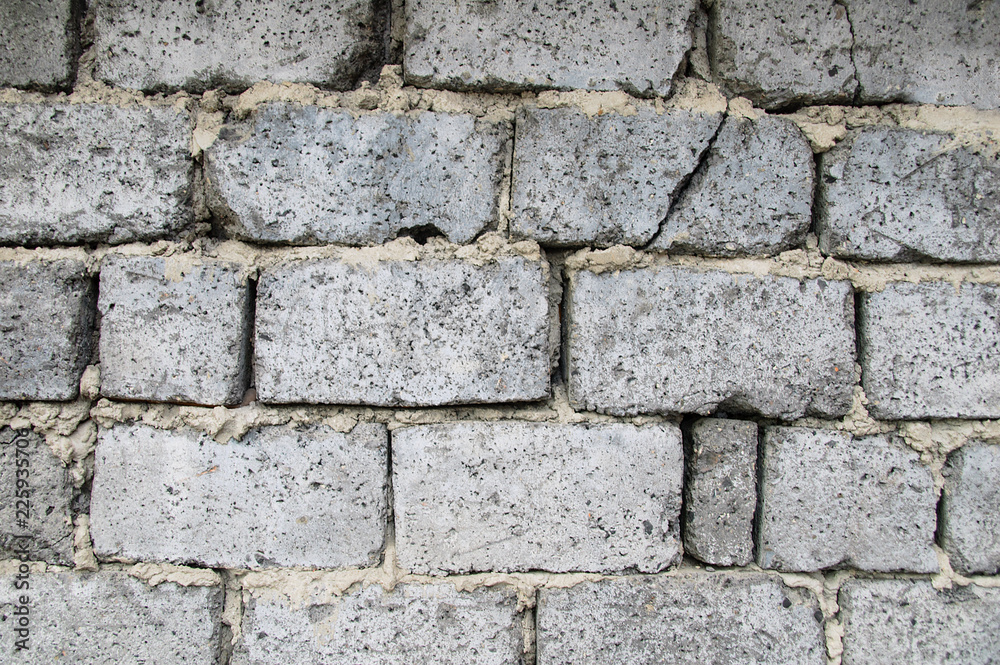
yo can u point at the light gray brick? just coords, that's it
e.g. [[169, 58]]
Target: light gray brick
[[174, 331], [970, 510], [308, 175], [279, 497], [687, 618], [603, 180], [41, 43], [829, 499], [514, 496], [72, 173], [675, 340], [929, 350], [403, 333]]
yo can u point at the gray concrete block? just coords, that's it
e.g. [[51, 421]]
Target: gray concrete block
[[415, 623], [72, 173], [753, 195], [403, 333], [108, 618], [908, 621], [310, 497], [720, 491], [308, 175], [903, 195], [514, 496], [604, 180], [675, 340], [235, 43], [502, 46], [688, 618], [928, 350], [174, 331], [783, 53], [832, 500], [46, 320], [41, 43], [970, 510], [36, 497]]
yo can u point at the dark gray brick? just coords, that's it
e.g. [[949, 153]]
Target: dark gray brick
[[41, 42], [970, 510]]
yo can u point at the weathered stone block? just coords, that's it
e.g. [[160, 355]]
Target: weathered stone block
[[41, 43], [970, 511], [514, 496]]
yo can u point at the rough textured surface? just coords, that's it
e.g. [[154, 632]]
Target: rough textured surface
[[280, 497], [604, 180], [907, 621], [46, 316], [85, 173], [403, 333], [753, 195], [511, 496], [902, 195], [673, 340], [427, 623], [109, 618], [783, 53], [829, 499], [970, 512], [930, 350], [40, 43], [501, 45], [720, 491], [691, 618], [174, 333], [234, 43], [307, 175]]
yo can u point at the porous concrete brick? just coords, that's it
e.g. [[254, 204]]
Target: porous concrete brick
[[40, 43], [279, 497], [753, 195], [602, 180], [829, 500], [415, 623], [783, 53], [46, 319], [403, 333], [235, 43], [36, 496], [108, 618], [970, 510], [902, 194], [504, 45], [720, 492], [929, 350], [72, 173], [515, 496], [908, 621], [174, 330], [308, 175], [676, 340], [690, 618]]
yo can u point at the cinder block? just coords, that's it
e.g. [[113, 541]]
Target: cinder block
[[908, 621], [46, 317], [505, 46], [720, 493], [108, 618], [72, 173], [752, 196], [235, 43], [41, 43], [308, 175], [970, 511], [829, 500], [174, 329], [310, 497], [415, 623], [902, 195], [603, 180], [928, 350], [403, 333], [689, 618], [675, 340], [514, 496]]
